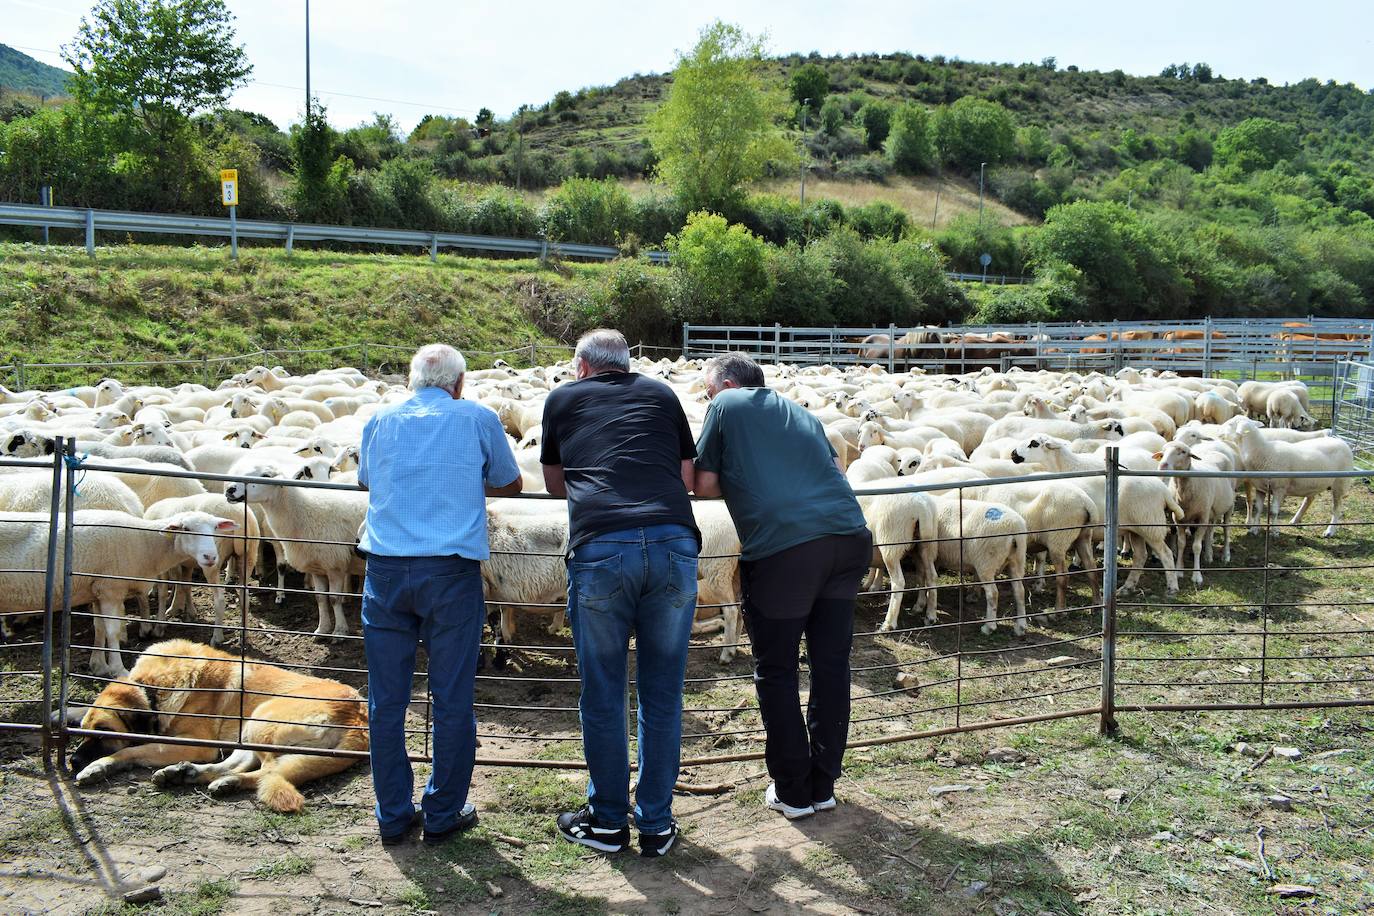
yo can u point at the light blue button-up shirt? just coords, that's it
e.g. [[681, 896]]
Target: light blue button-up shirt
[[425, 462]]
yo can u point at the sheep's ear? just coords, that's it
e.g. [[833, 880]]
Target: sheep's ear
[[167, 424], [227, 436], [1157, 456], [1050, 443], [226, 525], [172, 529]]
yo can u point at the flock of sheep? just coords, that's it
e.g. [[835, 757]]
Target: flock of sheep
[[889, 430]]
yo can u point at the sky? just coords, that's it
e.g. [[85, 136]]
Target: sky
[[417, 56]]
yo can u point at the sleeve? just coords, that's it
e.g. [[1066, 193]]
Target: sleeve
[[550, 451], [501, 468], [365, 450], [687, 449], [710, 445]]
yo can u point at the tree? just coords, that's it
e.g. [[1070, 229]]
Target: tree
[[974, 130], [485, 117], [316, 192], [809, 82], [154, 63], [908, 142], [1256, 143], [832, 117], [723, 269], [876, 120], [716, 130]]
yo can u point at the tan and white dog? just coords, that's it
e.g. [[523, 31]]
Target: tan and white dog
[[190, 690]]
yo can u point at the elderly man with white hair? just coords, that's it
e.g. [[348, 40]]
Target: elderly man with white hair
[[428, 463]]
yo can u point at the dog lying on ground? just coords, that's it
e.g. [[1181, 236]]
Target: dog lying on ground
[[195, 694]]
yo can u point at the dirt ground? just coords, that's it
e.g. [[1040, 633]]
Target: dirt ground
[[1166, 817]]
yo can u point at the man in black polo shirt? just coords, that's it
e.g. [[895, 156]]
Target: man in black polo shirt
[[618, 447]]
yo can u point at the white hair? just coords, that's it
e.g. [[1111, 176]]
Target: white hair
[[603, 348], [436, 366]]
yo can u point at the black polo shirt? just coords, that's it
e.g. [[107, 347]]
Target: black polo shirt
[[621, 439]]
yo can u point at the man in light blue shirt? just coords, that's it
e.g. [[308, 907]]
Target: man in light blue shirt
[[428, 464]]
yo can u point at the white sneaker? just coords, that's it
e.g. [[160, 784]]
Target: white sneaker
[[826, 805], [770, 798]]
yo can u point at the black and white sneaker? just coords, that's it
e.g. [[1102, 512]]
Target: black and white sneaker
[[653, 845], [582, 827]]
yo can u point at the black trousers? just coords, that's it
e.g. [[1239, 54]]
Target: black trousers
[[808, 590]]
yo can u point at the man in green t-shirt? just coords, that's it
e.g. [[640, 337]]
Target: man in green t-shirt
[[805, 548]]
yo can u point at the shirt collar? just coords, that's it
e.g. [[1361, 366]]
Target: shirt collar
[[431, 393]]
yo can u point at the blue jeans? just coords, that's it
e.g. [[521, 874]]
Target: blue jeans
[[641, 581], [439, 600]]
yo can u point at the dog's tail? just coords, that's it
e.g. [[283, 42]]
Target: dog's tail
[[277, 793]]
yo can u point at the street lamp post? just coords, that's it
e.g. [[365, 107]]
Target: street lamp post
[[806, 106], [981, 167], [307, 61]]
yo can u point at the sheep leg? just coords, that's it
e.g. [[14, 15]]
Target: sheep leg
[[1083, 546], [930, 579], [990, 595], [1166, 559], [1040, 574], [1337, 495], [1138, 559], [1302, 509], [556, 621], [1226, 537], [338, 584], [113, 609], [1018, 588], [215, 575], [731, 615], [280, 552], [1202, 534], [892, 558], [321, 586]]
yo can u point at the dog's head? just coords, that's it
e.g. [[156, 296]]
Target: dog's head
[[123, 707]]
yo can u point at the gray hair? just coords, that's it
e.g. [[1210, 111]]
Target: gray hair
[[436, 366], [736, 367], [603, 348]]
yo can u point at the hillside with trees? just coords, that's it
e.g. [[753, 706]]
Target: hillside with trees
[[1178, 194], [22, 75]]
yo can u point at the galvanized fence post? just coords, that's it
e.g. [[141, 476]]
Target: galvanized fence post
[[686, 333], [777, 342], [1207, 347], [20, 381], [49, 576], [1107, 723], [90, 233], [891, 348], [67, 452]]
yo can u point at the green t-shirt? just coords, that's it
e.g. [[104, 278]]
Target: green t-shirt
[[777, 472]]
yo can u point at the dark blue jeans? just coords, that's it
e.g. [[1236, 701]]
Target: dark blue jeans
[[439, 600], [641, 581]]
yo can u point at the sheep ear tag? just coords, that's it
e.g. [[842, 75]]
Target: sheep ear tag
[[172, 530]]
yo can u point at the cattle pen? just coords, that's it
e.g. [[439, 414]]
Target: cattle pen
[[1284, 627]]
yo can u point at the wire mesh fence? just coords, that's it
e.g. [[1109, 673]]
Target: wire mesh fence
[[980, 638]]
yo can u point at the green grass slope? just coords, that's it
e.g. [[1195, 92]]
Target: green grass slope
[[21, 73], [156, 303]]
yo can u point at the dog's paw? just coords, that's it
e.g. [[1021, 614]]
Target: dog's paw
[[174, 775], [98, 771], [225, 785]]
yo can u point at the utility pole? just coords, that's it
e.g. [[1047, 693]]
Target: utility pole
[[981, 167], [307, 62], [806, 106]]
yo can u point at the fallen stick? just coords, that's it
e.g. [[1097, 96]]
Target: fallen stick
[[1268, 872], [1262, 757], [694, 788], [510, 840]]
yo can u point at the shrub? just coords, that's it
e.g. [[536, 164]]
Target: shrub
[[1022, 191], [775, 218], [410, 185], [809, 82], [636, 298], [876, 120], [499, 211], [803, 284], [721, 271], [909, 146], [656, 217], [589, 211], [1256, 143], [873, 167], [879, 219], [974, 130], [871, 288], [832, 116]]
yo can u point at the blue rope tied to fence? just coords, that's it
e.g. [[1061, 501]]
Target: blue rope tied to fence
[[76, 464]]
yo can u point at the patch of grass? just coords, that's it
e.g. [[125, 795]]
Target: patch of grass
[[289, 865], [205, 899]]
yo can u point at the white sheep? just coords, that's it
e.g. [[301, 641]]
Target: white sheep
[[526, 571], [718, 580], [984, 538], [1146, 508], [901, 524], [303, 516], [1206, 501], [112, 552], [1259, 453], [239, 550], [1285, 410]]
